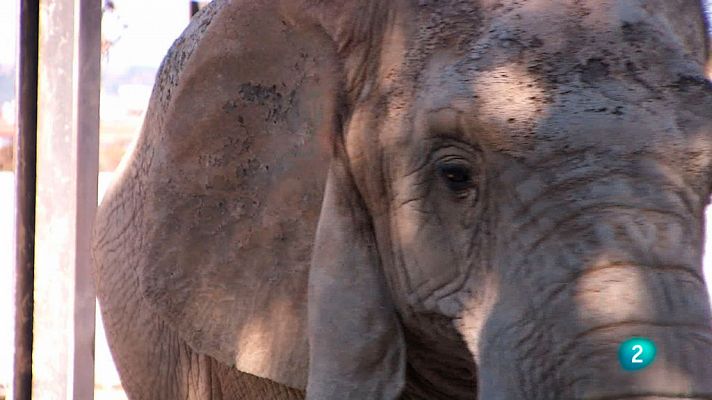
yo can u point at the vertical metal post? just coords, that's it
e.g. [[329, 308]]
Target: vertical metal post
[[25, 163], [67, 166], [88, 89]]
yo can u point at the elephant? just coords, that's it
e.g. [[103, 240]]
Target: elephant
[[432, 199]]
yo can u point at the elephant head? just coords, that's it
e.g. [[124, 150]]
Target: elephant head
[[433, 199]]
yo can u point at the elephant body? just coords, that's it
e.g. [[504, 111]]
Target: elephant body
[[416, 200]]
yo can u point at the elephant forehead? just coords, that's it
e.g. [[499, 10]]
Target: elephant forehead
[[560, 73], [511, 108]]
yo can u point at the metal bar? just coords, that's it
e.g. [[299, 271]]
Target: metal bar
[[25, 180], [87, 116], [67, 167]]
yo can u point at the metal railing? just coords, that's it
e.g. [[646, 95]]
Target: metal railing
[[56, 164]]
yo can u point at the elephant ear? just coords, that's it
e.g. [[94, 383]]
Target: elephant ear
[[231, 172], [358, 347]]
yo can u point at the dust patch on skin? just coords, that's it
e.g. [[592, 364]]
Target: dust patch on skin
[[265, 96], [180, 52]]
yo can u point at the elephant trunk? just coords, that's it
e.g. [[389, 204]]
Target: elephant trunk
[[614, 306], [623, 262]]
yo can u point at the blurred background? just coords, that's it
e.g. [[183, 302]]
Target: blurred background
[[136, 35]]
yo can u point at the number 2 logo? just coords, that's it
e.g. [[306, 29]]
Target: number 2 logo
[[636, 353], [635, 359]]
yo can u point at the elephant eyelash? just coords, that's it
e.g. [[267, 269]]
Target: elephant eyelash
[[453, 141], [449, 162]]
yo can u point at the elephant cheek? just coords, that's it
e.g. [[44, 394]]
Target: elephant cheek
[[429, 265]]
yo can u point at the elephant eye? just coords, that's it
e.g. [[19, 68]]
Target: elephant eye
[[457, 176]]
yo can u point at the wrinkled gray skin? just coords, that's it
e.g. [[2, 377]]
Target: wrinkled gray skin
[[421, 200]]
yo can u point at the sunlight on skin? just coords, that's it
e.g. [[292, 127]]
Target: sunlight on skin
[[143, 44], [624, 284], [471, 322], [509, 99], [508, 92], [261, 339]]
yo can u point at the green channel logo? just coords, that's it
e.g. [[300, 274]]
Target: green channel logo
[[636, 353]]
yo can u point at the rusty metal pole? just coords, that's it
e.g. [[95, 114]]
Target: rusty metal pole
[[25, 178], [67, 164]]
